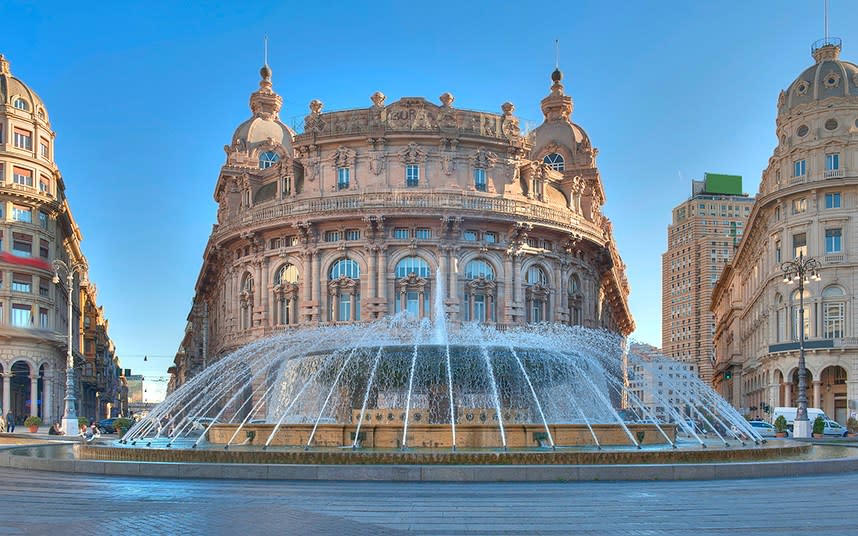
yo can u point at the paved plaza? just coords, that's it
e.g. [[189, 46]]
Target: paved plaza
[[34, 502]]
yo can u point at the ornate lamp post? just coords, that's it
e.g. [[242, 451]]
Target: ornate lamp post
[[70, 424], [803, 271]]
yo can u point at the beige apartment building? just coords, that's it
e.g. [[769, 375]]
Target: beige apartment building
[[806, 206], [37, 228], [704, 232], [368, 211]]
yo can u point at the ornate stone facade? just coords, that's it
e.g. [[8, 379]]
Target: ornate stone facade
[[806, 205], [360, 214], [36, 228]]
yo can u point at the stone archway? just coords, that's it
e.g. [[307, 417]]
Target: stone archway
[[793, 389], [832, 388], [22, 387]]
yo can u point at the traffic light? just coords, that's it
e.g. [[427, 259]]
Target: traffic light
[[728, 375]]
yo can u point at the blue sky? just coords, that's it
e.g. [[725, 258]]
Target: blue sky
[[143, 96]]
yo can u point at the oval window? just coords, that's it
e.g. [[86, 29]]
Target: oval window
[[802, 131], [831, 124]]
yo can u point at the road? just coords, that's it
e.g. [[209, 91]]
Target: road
[[33, 502]]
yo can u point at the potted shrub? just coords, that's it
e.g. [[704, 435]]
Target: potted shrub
[[121, 425], [852, 426], [818, 427], [32, 423], [780, 426]]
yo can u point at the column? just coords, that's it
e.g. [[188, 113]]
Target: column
[[306, 279], [558, 294], [34, 395], [817, 394], [516, 281], [47, 399], [442, 256], [352, 307], [266, 292], [257, 294], [788, 394], [7, 392], [373, 274], [382, 270], [421, 296], [317, 287], [509, 289]]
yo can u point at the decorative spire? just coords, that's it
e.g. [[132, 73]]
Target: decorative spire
[[264, 102], [557, 105], [4, 65]]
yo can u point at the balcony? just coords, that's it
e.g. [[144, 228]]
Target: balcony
[[834, 259], [833, 173], [799, 179]]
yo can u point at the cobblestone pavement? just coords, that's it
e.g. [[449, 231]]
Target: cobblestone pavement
[[33, 502]]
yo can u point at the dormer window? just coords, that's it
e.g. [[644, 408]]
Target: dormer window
[[267, 159], [555, 161], [21, 104]]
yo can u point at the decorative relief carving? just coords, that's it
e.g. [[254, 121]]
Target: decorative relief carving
[[413, 154], [448, 163], [376, 161], [343, 157], [831, 80], [483, 159]]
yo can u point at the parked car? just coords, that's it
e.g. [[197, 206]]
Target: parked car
[[764, 428], [834, 428], [105, 426]]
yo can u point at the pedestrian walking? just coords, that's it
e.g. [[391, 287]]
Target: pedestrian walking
[[10, 422]]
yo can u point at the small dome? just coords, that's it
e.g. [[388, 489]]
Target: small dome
[[829, 77], [265, 126], [17, 94]]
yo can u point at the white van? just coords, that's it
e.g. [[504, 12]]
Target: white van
[[789, 415]]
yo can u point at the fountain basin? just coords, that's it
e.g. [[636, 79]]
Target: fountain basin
[[440, 436]]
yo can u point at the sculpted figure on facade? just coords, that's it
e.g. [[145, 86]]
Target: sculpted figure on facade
[[412, 154]]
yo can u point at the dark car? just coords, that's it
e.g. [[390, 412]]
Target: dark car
[[105, 426]]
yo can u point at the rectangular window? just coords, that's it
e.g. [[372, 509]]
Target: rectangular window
[[833, 320], [291, 241], [470, 236], [22, 315], [22, 283], [332, 236], [44, 148], [778, 252], [412, 175], [43, 318], [23, 139], [832, 161], [22, 245], [343, 178], [799, 206], [799, 168], [44, 290], [480, 179], [423, 233], [833, 241], [22, 176], [799, 244], [43, 248], [490, 237], [22, 214], [832, 200], [44, 187], [2, 170], [538, 189], [533, 242], [401, 233], [352, 234]]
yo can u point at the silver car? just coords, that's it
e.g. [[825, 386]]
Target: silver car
[[763, 428]]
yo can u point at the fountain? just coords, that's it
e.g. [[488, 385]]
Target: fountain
[[400, 383]]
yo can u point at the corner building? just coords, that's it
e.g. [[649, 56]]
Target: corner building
[[806, 205], [36, 228], [359, 216]]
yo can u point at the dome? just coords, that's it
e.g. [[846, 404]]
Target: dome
[[265, 127], [829, 77], [13, 91], [558, 134]]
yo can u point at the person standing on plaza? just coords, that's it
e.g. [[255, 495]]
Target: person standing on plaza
[[10, 422]]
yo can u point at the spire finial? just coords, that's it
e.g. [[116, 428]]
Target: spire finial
[[826, 20], [265, 53], [4, 65], [265, 72], [557, 54]]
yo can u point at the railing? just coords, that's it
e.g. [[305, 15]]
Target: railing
[[846, 342], [456, 202], [798, 179], [834, 173], [834, 259]]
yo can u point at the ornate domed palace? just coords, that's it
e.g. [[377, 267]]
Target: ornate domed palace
[[805, 209], [376, 211], [36, 230]]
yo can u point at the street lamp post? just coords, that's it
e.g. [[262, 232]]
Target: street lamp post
[[70, 424], [803, 271]]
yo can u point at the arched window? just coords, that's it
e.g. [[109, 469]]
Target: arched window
[[537, 294], [412, 275], [833, 312], [286, 295], [780, 318], [795, 317], [344, 291], [479, 291], [479, 268], [576, 301], [267, 159], [555, 161], [410, 265], [21, 104]]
